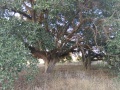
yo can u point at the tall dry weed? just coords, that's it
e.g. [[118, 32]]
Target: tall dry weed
[[70, 77]]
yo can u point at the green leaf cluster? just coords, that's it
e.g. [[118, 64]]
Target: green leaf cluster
[[14, 57]]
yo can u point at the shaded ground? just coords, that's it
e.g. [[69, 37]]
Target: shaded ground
[[69, 77]]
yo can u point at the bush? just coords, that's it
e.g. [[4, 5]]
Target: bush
[[14, 57]]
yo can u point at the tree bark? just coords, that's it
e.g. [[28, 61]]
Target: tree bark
[[86, 60], [49, 65], [83, 58]]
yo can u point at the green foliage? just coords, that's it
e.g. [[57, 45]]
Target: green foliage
[[32, 32], [113, 45], [113, 50], [45, 40], [13, 55]]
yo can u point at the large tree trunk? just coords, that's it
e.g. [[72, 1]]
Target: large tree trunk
[[83, 58], [86, 60], [49, 65], [88, 64]]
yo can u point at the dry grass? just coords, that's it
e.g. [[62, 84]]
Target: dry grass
[[69, 77]]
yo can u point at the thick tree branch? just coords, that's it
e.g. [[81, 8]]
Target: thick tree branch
[[22, 13], [17, 11], [68, 38]]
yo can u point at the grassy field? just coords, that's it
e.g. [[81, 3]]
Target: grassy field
[[70, 77]]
